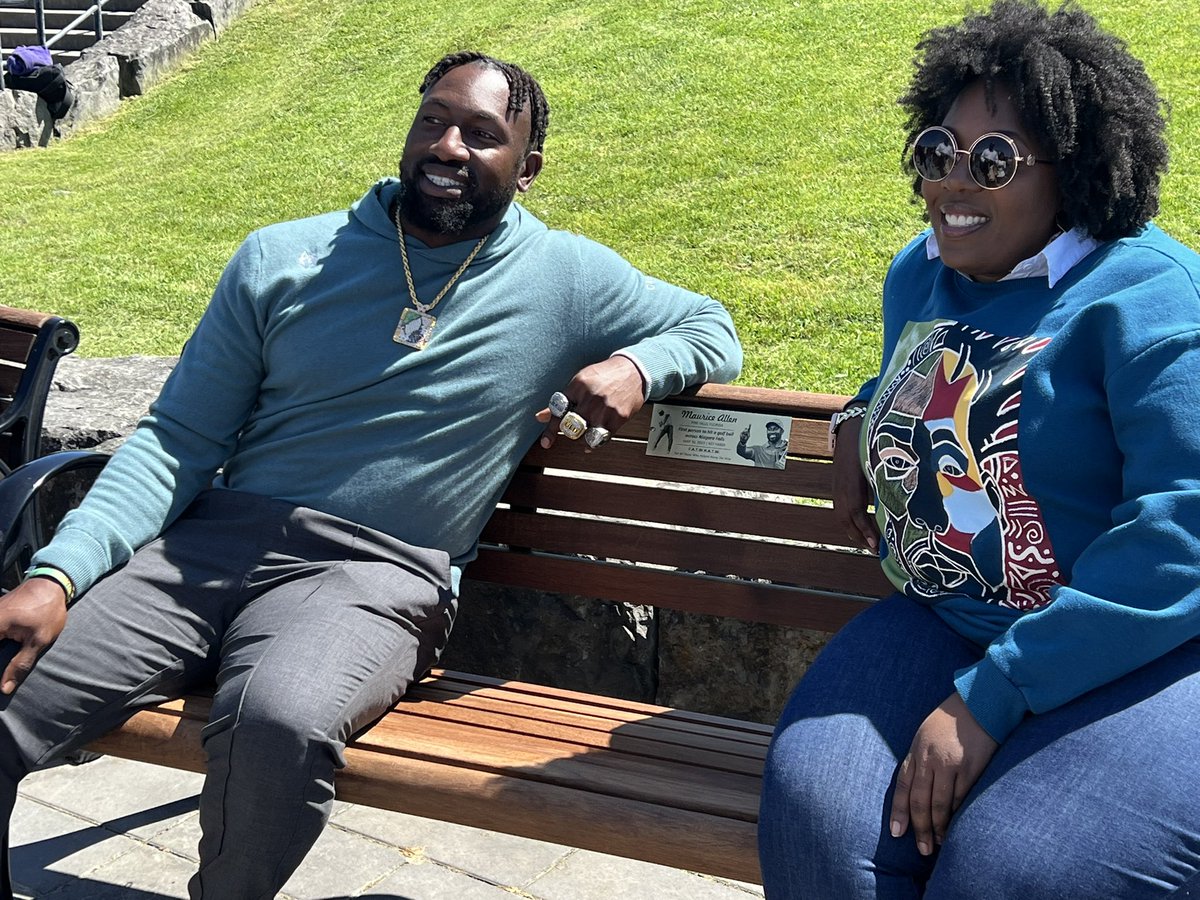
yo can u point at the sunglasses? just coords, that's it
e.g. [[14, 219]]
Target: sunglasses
[[992, 158]]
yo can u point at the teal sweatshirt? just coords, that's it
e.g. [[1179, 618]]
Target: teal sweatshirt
[[293, 386], [1035, 454]]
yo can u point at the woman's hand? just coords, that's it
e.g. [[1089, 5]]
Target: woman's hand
[[947, 756], [851, 494]]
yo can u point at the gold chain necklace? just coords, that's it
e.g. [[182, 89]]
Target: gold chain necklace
[[416, 325]]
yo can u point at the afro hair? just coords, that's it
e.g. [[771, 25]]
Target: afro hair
[[1078, 90]]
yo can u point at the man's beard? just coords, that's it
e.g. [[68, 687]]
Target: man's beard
[[452, 217]]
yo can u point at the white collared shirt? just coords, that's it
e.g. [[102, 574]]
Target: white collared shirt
[[1053, 261]]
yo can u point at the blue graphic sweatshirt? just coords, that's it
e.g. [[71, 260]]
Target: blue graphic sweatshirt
[[292, 382], [1035, 456]]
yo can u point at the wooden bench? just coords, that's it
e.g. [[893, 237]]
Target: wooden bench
[[647, 782]]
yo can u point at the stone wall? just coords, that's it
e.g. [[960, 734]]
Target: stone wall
[[702, 663], [125, 63]]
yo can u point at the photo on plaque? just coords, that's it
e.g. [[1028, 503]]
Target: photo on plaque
[[718, 435]]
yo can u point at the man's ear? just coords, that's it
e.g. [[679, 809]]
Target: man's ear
[[529, 170]]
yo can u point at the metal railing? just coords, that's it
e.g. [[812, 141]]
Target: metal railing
[[95, 12]]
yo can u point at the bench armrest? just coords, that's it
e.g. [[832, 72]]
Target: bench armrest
[[20, 530], [33, 343]]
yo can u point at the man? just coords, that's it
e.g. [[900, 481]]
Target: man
[[772, 454], [665, 430], [366, 381]]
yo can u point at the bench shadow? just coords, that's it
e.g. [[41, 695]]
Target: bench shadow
[[95, 890], [31, 861]]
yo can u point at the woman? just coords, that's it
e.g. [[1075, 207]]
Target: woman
[[1019, 719]]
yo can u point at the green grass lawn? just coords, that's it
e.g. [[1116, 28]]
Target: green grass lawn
[[746, 150]]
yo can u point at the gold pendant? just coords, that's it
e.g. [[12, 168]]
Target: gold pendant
[[414, 329]]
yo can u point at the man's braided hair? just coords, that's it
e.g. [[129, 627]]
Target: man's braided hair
[[522, 89], [1077, 89]]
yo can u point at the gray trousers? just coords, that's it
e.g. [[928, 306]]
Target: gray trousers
[[310, 626]]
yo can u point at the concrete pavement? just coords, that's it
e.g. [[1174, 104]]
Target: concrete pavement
[[118, 830]]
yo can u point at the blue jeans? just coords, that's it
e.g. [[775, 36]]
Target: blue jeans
[[1099, 798]]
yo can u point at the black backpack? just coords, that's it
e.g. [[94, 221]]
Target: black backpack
[[49, 83]]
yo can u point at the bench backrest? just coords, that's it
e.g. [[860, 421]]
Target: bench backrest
[[754, 543], [31, 344]]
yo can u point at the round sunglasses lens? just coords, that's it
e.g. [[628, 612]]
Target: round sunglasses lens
[[933, 154], [993, 162]]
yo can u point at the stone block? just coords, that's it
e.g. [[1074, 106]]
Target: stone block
[[154, 42], [96, 403], [731, 668], [568, 642], [24, 121], [96, 83]]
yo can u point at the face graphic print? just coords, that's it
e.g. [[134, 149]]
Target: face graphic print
[[942, 455]]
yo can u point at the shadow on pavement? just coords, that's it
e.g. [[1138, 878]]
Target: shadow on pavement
[[33, 862]]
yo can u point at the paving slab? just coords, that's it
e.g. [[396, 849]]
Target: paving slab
[[585, 875], [145, 873], [500, 858], [139, 800], [342, 864], [427, 880], [117, 829], [51, 847], [182, 838]]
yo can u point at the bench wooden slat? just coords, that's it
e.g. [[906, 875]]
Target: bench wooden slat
[[15, 343], [600, 771], [666, 725], [713, 554], [25, 319], [801, 478], [703, 843], [729, 737], [15, 346], [763, 400], [598, 704], [633, 739], [809, 438], [674, 505], [707, 595], [10, 379], [661, 727], [724, 747]]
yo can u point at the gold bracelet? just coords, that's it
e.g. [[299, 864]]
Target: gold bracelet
[[58, 576]]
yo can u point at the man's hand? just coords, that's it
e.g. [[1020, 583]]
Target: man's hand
[[606, 394], [947, 756], [33, 615], [851, 495]]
